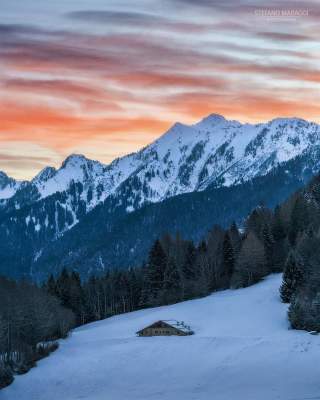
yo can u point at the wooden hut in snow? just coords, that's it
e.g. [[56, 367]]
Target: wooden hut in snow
[[166, 328]]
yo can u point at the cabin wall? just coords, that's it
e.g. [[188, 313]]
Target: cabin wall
[[161, 331]]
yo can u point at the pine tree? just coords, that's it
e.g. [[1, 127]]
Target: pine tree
[[76, 296], [268, 244], [211, 269], [134, 289], [228, 258], [235, 238], [63, 288], [292, 279], [278, 229], [172, 283], [172, 276], [156, 268], [253, 222], [51, 286], [251, 263], [299, 218], [297, 313], [188, 267]]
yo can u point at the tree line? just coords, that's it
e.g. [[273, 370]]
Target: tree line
[[177, 270]]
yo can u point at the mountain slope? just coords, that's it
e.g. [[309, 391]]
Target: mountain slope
[[100, 241], [203, 158], [241, 349]]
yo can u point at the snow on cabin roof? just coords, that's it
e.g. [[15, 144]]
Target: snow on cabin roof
[[172, 322], [178, 324]]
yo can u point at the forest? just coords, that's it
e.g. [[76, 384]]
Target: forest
[[33, 317], [30, 322]]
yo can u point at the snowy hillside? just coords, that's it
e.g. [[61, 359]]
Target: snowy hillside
[[242, 349]]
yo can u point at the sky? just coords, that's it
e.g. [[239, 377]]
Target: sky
[[106, 77]]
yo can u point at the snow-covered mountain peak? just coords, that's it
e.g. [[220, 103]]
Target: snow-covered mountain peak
[[8, 186], [75, 168], [177, 126], [74, 160], [177, 133], [3, 178], [176, 129], [212, 120], [287, 120], [44, 175]]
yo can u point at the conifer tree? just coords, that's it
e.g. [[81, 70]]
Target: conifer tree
[[253, 222], [251, 263], [172, 276], [299, 218], [228, 258], [76, 296], [51, 286], [235, 238], [188, 267], [278, 229], [172, 283], [156, 268], [292, 279], [63, 288], [134, 289], [268, 244]]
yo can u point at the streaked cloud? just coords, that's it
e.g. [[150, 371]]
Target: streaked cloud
[[135, 19]]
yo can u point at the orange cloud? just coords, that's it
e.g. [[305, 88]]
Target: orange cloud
[[85, 94], [244, 106], [155, 79], [61, 129], [53, 86]]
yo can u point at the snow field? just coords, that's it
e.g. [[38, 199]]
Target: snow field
[[242, 349]]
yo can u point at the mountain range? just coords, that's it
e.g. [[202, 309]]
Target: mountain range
[[93, 216]]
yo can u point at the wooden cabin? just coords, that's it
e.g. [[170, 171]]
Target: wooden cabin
[[166, 328]]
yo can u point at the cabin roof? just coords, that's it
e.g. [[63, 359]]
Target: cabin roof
[[180, 325]]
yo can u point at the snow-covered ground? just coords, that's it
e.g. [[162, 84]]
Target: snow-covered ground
[[242, 350]]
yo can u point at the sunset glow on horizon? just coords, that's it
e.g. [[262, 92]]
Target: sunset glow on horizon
[[105, 78]]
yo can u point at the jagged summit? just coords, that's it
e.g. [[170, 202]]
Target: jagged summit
[[8, 186], [44, 175], [212, 119], [3, 177], [178, 128], [288, 120], [74, 159]]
